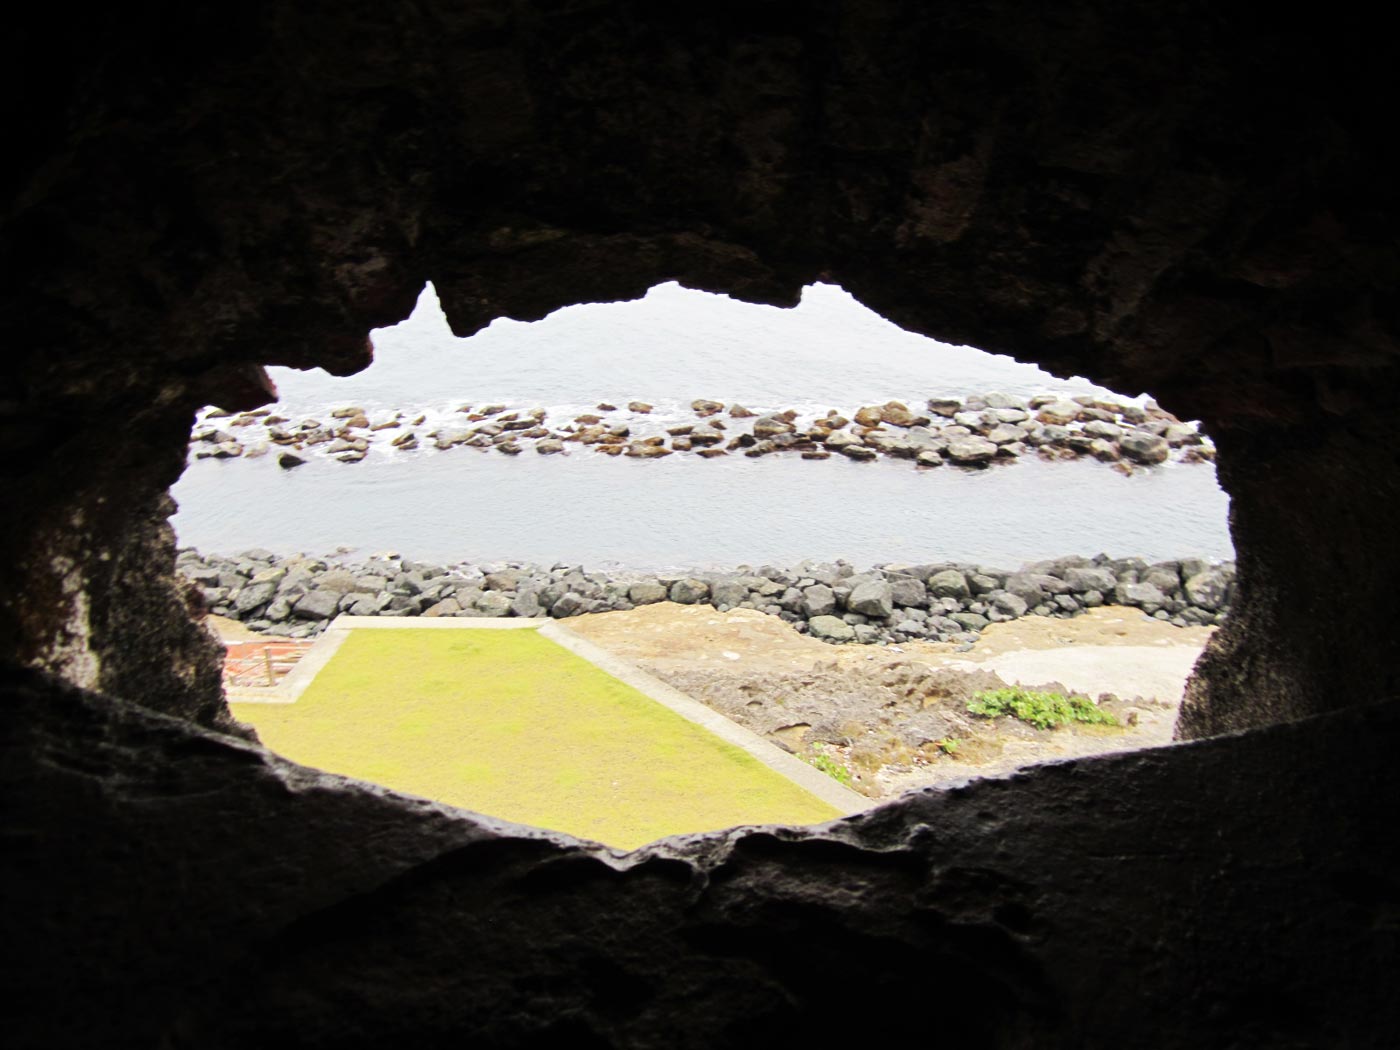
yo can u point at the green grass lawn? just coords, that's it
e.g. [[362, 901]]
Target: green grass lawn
[[509, 724]]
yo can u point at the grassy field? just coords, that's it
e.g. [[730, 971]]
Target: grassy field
[[509, 724]]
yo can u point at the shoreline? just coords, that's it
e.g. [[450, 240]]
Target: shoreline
[[968, 433], [296, 596]]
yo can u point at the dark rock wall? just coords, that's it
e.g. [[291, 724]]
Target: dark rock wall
[[1308, 508], [223, 897], [1166, 199], [1171, 199]]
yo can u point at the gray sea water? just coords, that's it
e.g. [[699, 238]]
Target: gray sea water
[[668, 348]]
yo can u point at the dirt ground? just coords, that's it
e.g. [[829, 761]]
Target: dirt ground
[[895, 715]]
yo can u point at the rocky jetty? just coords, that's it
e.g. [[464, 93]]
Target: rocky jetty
[[970, 433], [299, 595]]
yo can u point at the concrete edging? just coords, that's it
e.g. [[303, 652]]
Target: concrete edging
[[289, 690], [775, 758]]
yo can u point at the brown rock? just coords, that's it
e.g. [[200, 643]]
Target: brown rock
[[897, 414]]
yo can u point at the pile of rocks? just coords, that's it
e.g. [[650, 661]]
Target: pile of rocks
[[299, 595], [971, 433]]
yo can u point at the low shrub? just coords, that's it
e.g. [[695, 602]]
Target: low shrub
[[1042, 710]]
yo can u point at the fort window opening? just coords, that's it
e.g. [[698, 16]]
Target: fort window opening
[[805, 519]]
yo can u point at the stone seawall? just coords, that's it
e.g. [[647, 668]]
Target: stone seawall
[[299, 595]]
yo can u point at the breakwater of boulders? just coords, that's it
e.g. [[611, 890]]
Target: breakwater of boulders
[[972, 432], [300, 595]]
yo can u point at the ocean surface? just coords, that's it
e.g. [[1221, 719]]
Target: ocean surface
[[669, 348]]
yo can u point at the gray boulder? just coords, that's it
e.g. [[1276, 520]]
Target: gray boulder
[[1164, 580], [1008, 604], [317, 605], [908, 592], [569, 604], [493, 603], [1058, 413], [1082, 579], [840, 440], [1099, 429], [818, 600], [727, 593], [969, 621], [506, 580], [950, 583], [446, 607], [254, 596], [365, 605], [832, 628], [527, 604], [690, 591], [338, 580], [1139, 594], [970, 450], [1143, 447], [1208, 590], [1025, 587], [1005, 434], [646, 592], [769, 427], [873, 598]]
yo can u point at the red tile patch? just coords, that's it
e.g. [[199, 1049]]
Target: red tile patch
[[260, 665]]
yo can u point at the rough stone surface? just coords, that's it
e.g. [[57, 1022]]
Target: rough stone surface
[[385, 906]]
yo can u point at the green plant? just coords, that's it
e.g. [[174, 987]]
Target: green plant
[[1042, 710], [819, 759], [948, 745]]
